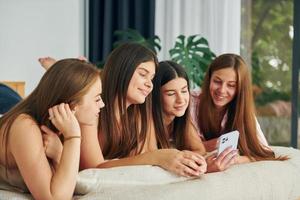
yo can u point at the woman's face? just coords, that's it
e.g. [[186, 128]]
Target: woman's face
[[87, 110], [140, 84], [175, 97], [223, 84]]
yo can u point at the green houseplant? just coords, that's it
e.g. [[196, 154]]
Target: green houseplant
[[193, 52], [194, 55]]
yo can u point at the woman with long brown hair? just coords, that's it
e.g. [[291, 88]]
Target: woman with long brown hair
[[171, 114], [226, 104], [171, 117], [67, 95]]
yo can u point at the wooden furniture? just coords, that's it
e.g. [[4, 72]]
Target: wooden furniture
[[18, 86]]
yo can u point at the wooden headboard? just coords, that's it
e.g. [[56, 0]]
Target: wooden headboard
[[18, 86]]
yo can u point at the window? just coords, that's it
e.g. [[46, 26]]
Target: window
[[267, 44]]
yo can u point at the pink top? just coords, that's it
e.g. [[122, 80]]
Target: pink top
[[195, 102]]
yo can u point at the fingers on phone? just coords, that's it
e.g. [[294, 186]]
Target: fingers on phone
[[224, 153], [229, 159]]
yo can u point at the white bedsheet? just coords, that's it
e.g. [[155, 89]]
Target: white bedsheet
[[266, 180]]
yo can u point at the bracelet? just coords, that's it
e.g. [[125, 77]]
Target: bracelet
[[71, 137]]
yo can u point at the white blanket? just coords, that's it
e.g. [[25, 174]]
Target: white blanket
[[266, 180]]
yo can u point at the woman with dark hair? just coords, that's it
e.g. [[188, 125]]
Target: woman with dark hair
[[171, 111], [67, 95], [171, 115], [226, 104]]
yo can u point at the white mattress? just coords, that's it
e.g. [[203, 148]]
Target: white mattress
[[266, 180]]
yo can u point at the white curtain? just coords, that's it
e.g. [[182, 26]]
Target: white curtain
[[216, 20]]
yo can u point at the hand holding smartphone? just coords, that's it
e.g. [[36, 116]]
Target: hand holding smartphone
[[228, 140]]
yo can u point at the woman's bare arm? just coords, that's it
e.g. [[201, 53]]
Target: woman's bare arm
[[182, 163], [28, 152], [90, 153]]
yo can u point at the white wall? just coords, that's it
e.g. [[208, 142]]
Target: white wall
[[36, 28]]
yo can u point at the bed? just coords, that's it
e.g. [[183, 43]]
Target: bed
[[265, 180]]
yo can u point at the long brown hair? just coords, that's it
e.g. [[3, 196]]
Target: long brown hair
[[240, 111], [126, 134], [167, 71], [65, 82]]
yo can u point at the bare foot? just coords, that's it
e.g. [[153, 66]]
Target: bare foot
[[82, 58], [47, 62]]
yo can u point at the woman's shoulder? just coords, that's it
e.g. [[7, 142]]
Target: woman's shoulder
[[24, 123], [24, 133], [24, 119]]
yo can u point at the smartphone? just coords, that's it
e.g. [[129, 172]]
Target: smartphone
[[228, 140]]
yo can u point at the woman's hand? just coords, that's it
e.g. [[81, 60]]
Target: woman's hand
[[64, 120], [222, 162], [183, 163], [201, 162], [52, 144]]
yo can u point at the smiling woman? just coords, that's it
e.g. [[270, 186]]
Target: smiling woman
[[127, 81], [140, 84], [171, 116], [175, 98], [226, 104], [223, 87], [171, 110]]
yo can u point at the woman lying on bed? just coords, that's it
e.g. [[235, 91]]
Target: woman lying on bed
[[226, 104], [126, 128], [68, 94]]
